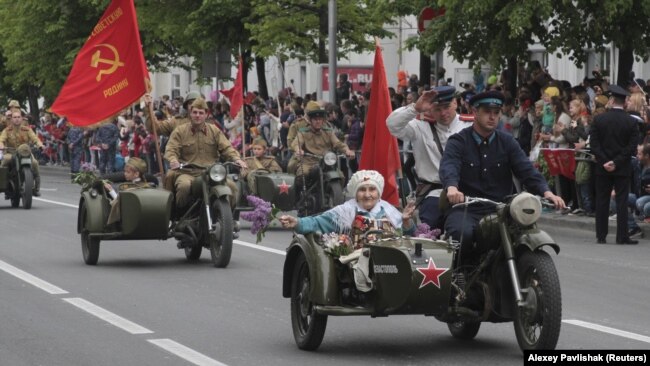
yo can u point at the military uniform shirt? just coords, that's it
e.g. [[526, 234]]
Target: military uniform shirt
[[266, 162], [318, 143], [202, 146], [14, 137], [166, 127]]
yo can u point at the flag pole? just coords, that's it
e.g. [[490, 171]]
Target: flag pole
[[154, 122]]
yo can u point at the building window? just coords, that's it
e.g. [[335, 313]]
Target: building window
[[176, 85], [598, 61]]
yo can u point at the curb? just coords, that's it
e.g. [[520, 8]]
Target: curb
[[584, 223]]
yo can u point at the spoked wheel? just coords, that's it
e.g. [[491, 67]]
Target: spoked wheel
[[537, 324], [193, 253], [335, 194], [221, 239], [28, 187], [89, 245], [464, 330], [308, 326]]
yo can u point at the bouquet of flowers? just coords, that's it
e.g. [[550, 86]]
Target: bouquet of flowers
[[424, 231], [337, 245], [261, 217], [86, 176]]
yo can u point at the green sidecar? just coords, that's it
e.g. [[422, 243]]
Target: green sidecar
[[276, 188]]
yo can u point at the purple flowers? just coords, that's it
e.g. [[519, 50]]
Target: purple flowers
[[424, 231], [261, 216], [86, 176], [88, 168]]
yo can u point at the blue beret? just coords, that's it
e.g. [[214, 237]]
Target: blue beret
[[445, 94], [490, 98]]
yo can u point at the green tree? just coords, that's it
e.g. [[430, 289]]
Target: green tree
[[299, 28]]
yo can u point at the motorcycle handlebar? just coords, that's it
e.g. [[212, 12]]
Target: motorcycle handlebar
[[471, 200]]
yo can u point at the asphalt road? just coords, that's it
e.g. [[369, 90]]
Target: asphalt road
[[144, 304]]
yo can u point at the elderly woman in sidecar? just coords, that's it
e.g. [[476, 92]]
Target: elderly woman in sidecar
[[358, 216]]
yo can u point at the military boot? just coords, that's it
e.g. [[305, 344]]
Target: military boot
[[37, 186]]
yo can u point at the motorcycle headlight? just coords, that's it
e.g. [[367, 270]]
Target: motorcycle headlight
[[525, 209], [329, 159], [218, 173]]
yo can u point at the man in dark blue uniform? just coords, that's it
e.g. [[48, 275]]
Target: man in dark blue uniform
[[479, 162], [613, 138]]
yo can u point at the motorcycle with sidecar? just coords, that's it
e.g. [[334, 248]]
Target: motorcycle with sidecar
[[324, 185], [150, 213], [515, 280], [17, 179], [274, 187]]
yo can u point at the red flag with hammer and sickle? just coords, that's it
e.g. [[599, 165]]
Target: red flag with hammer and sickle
[[109, 72]]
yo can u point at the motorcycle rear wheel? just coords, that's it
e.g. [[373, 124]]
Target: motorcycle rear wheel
[[89, 246], [464, 330], [28, 186], [308, 326], [221, 243], [538, 327]]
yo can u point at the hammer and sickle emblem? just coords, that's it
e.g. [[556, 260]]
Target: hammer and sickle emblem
[[115, 62]]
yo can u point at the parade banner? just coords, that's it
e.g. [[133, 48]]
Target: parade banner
[[236, 93], [109, 72], [561, 162], [379, 150]]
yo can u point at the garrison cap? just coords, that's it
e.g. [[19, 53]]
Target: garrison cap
[[200, 104], [490, 98], [617, 91], [14, 104], [446, 94], [138, 164]]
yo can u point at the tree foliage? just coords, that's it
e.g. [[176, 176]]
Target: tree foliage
[[299, 28]]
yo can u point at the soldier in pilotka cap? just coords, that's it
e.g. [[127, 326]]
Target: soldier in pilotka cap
[[259, 162], [198, 143], [166, 126]]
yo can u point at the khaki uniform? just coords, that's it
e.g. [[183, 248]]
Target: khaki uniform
[[115, 214], [296, 126], [14, 137], [317, 143], [201, 147], [166, 127], [267, 163]]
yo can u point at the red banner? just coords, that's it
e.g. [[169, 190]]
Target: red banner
[[236, 93], [109, 72], [561, 161], [357, 76], [379, 151]]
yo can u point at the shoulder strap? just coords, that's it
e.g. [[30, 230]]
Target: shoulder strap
[[436, 138]]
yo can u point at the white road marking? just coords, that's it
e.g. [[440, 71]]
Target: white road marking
[[259, 247], [31, 279], [185, 353], [107, 316], [604, 329], [55, 202]]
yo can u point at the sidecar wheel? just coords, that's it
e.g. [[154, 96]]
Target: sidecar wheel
[[89, 246], [28, 186], [538, 326], [464, 330], [221, 243], [308, 326], [193, 253]]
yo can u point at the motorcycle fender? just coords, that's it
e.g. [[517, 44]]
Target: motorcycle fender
[[26, 161], [220, 190], [535, 238], [97, 213], [332, 175], [322, 271]]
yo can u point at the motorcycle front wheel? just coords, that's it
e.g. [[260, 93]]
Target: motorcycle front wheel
[[334, 194], [308, 326], [537, 325], [89, 246], [28, 186], [221, 240]]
